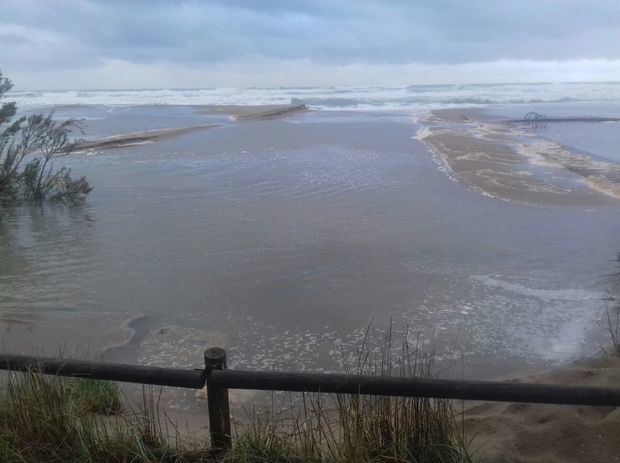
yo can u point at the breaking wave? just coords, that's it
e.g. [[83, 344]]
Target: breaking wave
[[336, 98]]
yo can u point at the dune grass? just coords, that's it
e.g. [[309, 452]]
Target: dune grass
[[355, 429], [359, 428], [53, 419]]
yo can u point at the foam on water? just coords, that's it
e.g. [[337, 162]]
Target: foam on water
[[574, 294], [335, 98], [499, 314], [422, 133]]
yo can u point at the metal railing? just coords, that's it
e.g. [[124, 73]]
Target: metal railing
[[218, 380]]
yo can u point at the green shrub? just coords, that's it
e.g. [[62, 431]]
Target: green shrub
[[28, 147]]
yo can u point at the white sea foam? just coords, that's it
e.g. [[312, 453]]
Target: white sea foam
[[413, 97], [538, 152], [422, 133], [569, 294]]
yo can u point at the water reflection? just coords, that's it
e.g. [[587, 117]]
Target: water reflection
[[39, 253]]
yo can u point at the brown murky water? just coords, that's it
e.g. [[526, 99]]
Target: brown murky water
[[283, 239]]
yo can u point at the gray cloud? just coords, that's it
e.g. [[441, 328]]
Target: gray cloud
[[82, 34]]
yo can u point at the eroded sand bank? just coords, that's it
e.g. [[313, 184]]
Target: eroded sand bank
[[510, 163], [550, 433]]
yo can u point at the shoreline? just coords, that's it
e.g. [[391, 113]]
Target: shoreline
[[496, 431]]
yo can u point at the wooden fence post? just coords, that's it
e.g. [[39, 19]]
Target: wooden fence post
[[217, 399]]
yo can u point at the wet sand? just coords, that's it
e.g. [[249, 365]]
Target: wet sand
[[509, 163], [135, 138], [235, 112], [241, 112], [62, 334]]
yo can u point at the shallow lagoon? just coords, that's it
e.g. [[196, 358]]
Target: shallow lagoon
[[284, 239]]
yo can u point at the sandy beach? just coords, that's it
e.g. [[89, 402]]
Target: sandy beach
[[542, 433]]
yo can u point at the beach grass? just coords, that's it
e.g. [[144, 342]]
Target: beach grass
[[359, 428], [49, 419], [352, 428], [54, 419]]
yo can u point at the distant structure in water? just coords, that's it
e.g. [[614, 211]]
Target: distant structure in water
[[533, 119], [540, 120]]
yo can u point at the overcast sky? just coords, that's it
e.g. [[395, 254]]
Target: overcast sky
[[78, 44]]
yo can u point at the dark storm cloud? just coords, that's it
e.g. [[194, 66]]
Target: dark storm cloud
[[79, 33]]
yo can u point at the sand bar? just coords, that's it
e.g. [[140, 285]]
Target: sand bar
[[241, 112], [236, 112], [510, 164], [134, 138]]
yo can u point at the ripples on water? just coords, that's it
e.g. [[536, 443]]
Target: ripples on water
[[283, 239]]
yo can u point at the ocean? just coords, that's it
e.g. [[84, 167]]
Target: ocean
[[411, 97]]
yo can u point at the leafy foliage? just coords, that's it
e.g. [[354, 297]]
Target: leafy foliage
[[28, 147]]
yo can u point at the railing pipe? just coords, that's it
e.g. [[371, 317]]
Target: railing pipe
[[416, 387], [158, 376], [218, 380]]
